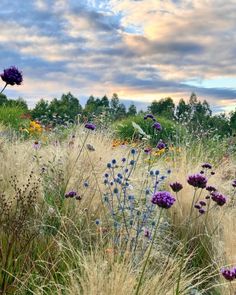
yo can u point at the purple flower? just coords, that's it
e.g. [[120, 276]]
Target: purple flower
[[207, 166], [90, 126], [149, 116], [197, 206], [176, 186], [161, 145], [36, 145], [147, 150], [197, 180], [218, 198], [147, 233], [211, 188], [163, 199], [202, 211], [71, 194], [12, 76], [234, 183], [229, 274], [157, 126]]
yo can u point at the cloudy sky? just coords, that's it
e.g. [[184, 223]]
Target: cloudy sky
[[140, 49]]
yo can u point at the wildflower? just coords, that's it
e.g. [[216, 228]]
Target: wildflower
[[206, 166], [116, 190], [147, 233], [197, 180], [123, 160], [90, 126], [113, 161], [90, 147], [86, 184], [36, 145], [132, 162], [202, 203], [97, 221], [78, 197], [147, 150], [161, 145], [163, 199], [157, 126], [148, 116], [108, 165], [176, 186], [234, 183], [133, 151], [197, 206], [229, 274], [12, 76], [213, 173], [202, 211], [218, 198], [71, 194], [211, 188]]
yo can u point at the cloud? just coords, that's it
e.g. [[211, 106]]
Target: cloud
[[140, 49]]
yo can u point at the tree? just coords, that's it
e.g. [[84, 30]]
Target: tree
[[132, 110], [164, 107], [41, 109], [233, 120], [182, 111], [3, 99]]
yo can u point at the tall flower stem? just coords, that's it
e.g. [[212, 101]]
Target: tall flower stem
[[3, 88], [148, 255]]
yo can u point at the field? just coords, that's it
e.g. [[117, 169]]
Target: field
[[84, 213]]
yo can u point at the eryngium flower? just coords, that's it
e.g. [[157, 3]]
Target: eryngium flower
[[207, 166], [157, 126], [234, 183], [148, 116], [176, 186], [163, 199], [12, 76], [90, 126], [197, 180], [161, 145], [218, 198], [229, 274], [211, 188]]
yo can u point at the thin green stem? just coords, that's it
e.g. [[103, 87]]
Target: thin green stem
[[3, 88]]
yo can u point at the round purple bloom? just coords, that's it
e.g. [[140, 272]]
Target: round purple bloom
[[202, 211], [202, 203], [147, 233], [197, 206], [218, 198], [161, 145], [12, 76], [229, 274], [149, 116], [70, 194], [197, 180], [163, 199], [147, 150], [234, 183], [90, 126], [211, 188], [176, 186], [157, 126], [207, 166]]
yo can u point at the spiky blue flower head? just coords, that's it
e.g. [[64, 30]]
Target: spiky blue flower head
[[86, 184], [197, 180], [120, 175], [132, 162], [133, 151], [108, 165], [12, 76], [105, 181], [147, 192], [163, 199], [123, 160], [97, 221], [116, 191], [113, 161], [106, 175], [157, 172], [151, 172], [90, 126]]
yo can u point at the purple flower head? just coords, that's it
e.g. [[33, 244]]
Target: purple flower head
[[161, 145], [176, 186], [163, 199], [229, 274], [147, 233], [218, 198], [197, 206], [197, 180], [211, 188], [12, 76], [202, 211], [234, 183], [147, 150], [157, 126], [90, 126], [36, 145], [70, 194], [207, 166], [148, 116], [202, 203]]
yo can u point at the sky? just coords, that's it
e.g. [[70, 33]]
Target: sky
[[141, 49]]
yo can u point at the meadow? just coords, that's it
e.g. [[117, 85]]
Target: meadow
[[86, 208]]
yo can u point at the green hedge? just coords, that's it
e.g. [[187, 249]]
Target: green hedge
[[11, 116]]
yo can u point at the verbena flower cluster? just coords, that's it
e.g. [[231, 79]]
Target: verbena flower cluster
[[133, 211], [12, 76], [229, 273], [156, 125]]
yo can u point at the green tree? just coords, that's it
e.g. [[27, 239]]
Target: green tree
[[233, 120], [41, 109], [3, 99], [165, 107], [132, 110]]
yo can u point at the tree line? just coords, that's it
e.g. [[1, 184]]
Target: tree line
[[194, 113]]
